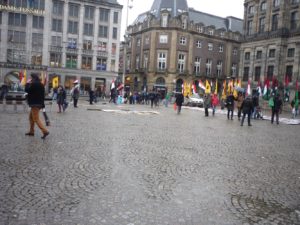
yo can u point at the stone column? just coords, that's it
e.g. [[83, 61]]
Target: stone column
[[4, 42], [65, 31], [80, 36], [28, 43], [95, 40]]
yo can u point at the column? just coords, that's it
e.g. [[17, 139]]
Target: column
[[47, 33], [4, 42], [80, 36], [95, 40], [65, 30], [28, 43]]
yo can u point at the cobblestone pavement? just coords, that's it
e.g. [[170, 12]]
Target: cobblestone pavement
[[103, 167]]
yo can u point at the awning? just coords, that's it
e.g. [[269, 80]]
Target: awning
[[160, 85]]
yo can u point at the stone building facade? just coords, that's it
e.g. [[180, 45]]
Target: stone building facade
[[271, 46], [71, 39], [172, 44]]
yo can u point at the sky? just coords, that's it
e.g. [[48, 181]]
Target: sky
[[221, 8]]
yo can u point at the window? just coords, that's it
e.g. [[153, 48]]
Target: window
[[233, 69], [147, 40], [221, 48], [89, 12], [219, 68], [72, 27], [235, 51], [208, 67], [246, 74], [257, 73], [71, 61], [146, 60], [274, 22], [263, 6], [128, 64], [87, 45], [56, 25], [211, 32], [113, 48], [72, 43], [222, 34], [17, 3], [184, 23], [86, 63], [163, 38], [36, 58], [113, 65], [210, 46], [0, 17], [276, 3], [198, 44], [181, 63], [38, 22], [116, 17], [251, 10], [88, 29], [261, 28], [289, 72], [101, 64], [38, 4], [16, 37], [270, 72], [294, 18], [294, 1], [200, 29], [249, 27], [197, 64], [55, 60], [182, 40], [17, 19], [103, 31], [137, 61], [104, 14], [272, 53], [247, 55], [73, 10], [258, 54], [37, 39], [102, 46], [164, 21], [56, 41], [138, 42], [115, 33], [58, 7], [162, 61], [291, 52]]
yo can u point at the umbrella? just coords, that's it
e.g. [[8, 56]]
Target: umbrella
[[239, 89]]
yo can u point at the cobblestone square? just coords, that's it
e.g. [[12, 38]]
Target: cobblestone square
[[134, 167]]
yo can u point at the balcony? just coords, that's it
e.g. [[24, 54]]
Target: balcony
[[72, 50], [87, 52], [17, 46], [55, 48], [102, 54]]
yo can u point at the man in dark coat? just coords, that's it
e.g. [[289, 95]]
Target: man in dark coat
[[179, 101], [247, 108], [230, 105], [35, 98], [276, 108]]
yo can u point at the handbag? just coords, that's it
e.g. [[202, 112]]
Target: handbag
[[175, 106]]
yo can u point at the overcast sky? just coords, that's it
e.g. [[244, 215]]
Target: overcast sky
[[221, 8]]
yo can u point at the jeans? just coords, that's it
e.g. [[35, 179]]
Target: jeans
[[206, 112], [75, 102], [243, 118], [178, 109], [275, 113], [214, 109], [230, 111], [34, 118], [239, 112]]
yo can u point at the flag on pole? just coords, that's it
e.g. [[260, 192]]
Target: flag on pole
[[201, 85], [24, 79], [230, 86], [297, 95], [216, 89], [224, 90], [194, 88], [266, 89], [182, 88], [55, 82], [20, 75], [207, 87], [259, 89], [286, 90], [249, 88]]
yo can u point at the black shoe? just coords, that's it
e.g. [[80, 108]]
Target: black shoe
[[45, 135], [29, 134], [249, 125]]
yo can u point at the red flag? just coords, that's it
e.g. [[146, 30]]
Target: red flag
[[21, 75], [297, 87]]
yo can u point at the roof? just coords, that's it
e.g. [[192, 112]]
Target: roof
[[174, 6]]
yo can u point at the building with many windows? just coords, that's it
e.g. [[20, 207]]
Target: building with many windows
[[71, 39], [271, 48], [172, 44]]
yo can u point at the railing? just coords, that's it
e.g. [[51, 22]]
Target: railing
[[87, 52], [102, 54], [55, 48]]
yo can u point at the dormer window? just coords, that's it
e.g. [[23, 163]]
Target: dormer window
[[222, 34], [211, 32], [199, 29], [184, 23], [164, 21]]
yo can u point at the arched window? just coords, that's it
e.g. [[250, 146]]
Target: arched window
[[160, 81], [179, 84]]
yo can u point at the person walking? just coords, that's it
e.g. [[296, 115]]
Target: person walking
[[240, 100], [214, 103], [91, 96], [276, 108], [61, 98], [179, 100], [167, 99], [230, 105], [206, 104], [247, 108], [75, 93], [35, 98]]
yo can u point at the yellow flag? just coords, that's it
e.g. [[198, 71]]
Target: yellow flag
[[224, 90], [207, 87], [24, 79], [216, 89], [230, 84], [55, 82]]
